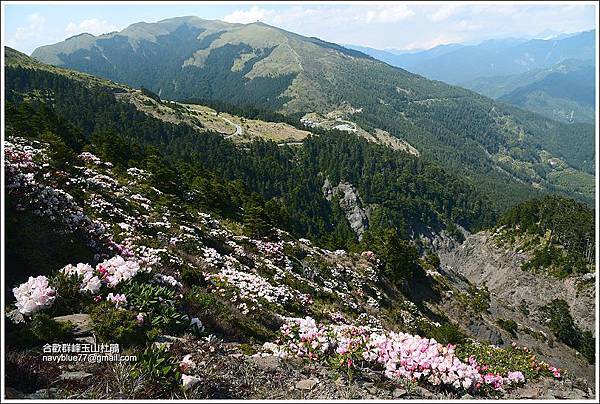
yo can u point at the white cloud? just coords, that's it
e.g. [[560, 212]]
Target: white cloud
[[428, 43], [33, 30], [465, 25], [387, 14], [443, 13], [322, 15], [244, 17], [93, 26]]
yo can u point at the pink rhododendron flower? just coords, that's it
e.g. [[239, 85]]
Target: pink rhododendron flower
[[555, 371], [516, 377], [117, 299]]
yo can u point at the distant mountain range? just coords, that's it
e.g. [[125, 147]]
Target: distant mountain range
[[564, 92], [554, 77], [507, 152], [456, 63]]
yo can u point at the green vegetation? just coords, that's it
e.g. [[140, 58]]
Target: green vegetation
[[221, 317], [399, 256], [508, 325], [561, 95], [158, 305], [478, 298], [261, 67], [42, 329], [553, 91], [274, 185], [158, 366], [116, 325], [446, 333], [502, 360], [150, 94], [564, 328], [561, 233]]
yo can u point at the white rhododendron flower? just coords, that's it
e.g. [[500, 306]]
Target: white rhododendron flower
[[34, 295], [117, 270], [90, 281], [189, 381], [187, 363]]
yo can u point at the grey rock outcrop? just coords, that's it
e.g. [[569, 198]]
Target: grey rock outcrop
[[351, 204], [499, 268], [81, 322], [517, 295]]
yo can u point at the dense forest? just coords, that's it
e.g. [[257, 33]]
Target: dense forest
[[282, 185], [565, 226]]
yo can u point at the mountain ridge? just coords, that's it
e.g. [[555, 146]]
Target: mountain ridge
[[247, 66], [457, 63]]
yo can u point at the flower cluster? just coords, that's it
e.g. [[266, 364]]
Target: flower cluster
[[252, 288], [90, 282], [497, 382], [305, 339], [117, 270], [118, 299], [34, 295], [398, 355], [24, 171], [406, 356], [90, 158]]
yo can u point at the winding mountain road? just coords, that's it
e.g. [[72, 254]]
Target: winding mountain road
[[238, 129]]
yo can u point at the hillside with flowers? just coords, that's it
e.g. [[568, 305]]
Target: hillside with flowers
[[216, 296]]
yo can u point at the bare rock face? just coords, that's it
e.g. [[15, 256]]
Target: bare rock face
[[350, 202], [306, 384], [482, 262], [81, 322], [517, 295]]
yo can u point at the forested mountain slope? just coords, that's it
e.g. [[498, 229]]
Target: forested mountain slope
[[395, 189], [505, 150], [565, 92]]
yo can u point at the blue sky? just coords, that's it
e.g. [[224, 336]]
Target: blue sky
[[401, 25]]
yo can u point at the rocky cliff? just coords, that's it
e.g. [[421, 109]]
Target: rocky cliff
[[351, 204], [518, 295]]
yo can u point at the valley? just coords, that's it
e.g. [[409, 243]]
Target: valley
[[238, 211]]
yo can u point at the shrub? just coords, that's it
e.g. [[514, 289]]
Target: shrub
[[157, 365], [503, 360], [69, 298], [225, 320], [158, 303], [433, 259], [192, 276], [447, 333], [479, 298], [559, 320], [40, 330], [118, 325], [508, 325]]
